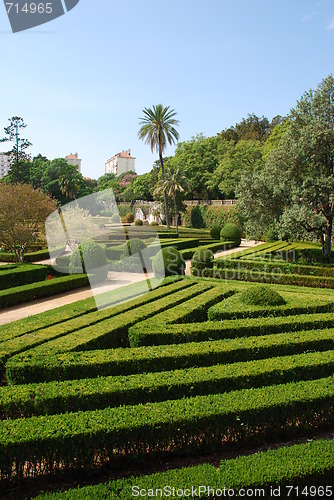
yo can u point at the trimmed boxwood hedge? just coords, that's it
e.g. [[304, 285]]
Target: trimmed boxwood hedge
[[23, 369], [159, 334], [28, 257], [97, 393], [25, 293], [23, 274], [272, 265], [82, 439], [306, 464], [264, 277], [111, 332]]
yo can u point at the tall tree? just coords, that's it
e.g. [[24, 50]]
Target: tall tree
[[174, 182], [23, 211], [158, 130], [13, 134], [299, 175]]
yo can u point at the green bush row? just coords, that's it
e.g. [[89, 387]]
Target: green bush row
[[84, 313], [158, 334], [25, 293], [276, 267], [22, 369], [267, 277], [22, 342], [97, 393], [113, 331], [234, 308], [190, 311], [214, 247], [202, 423], [28, 257], [23, 275], [307, 464]]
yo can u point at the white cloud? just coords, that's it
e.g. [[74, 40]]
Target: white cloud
[[309, 16], [330, 25]]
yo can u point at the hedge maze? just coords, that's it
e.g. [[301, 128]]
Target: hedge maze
[[191, 368]]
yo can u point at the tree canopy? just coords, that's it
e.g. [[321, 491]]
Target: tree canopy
[[295, 191]]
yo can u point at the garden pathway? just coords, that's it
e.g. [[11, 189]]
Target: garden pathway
[[119, 279]]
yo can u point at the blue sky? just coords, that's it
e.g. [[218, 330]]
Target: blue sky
[[81, 81]]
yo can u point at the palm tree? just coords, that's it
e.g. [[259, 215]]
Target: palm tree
[[174, 182], [158, 130]]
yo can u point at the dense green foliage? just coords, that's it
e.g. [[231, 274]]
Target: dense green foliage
[[309, 466], [261, 296], [168, 262], [231, 232]]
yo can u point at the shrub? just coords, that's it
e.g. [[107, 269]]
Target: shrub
[[129, 217], [153, 223], [168, 262], [139, 222], [215, 232], [231, 232], [115, 218], [89, 257], [272, 234], [132, 246], [202, 258], [262, 296]]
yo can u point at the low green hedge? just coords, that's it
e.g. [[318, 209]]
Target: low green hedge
[[262, 277], [80, 308], [202, 423], [296, 303], [28, 257], [96, 393], [214, 247], [13, 344], [25, 293], [302, 465], [189, 311], [23, 274], [159, 334], [267, 266], [112, 331], [22, 369]]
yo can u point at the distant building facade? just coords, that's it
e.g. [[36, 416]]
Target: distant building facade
[[73, 159], [5, 163], [120, 163]]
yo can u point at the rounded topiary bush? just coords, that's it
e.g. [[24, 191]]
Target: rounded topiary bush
[[202, 259], [153, 223], [215, 232], [231, 232], [91, 258], [129, 217], [138, 222], [261, 296], [132, 246], [168, 262], [115, 218]]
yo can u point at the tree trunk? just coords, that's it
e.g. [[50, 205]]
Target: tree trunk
[[176, 216], [165, 194], [327, 241]]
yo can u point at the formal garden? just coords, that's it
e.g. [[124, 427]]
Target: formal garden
[[212, 376], [151, 392]]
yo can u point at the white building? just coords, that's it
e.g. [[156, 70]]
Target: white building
[[120, 163], [5, 162], [74, 160]]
